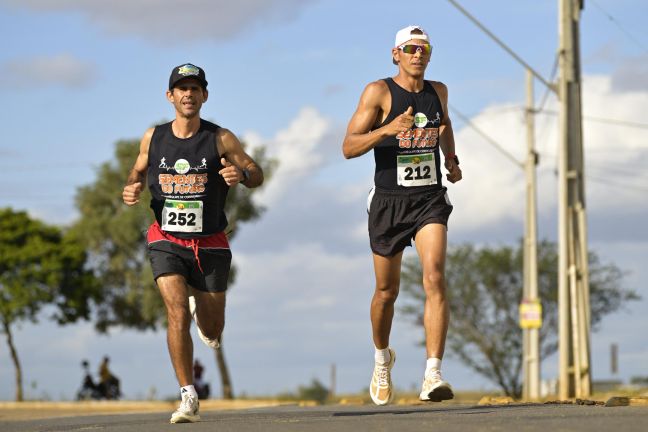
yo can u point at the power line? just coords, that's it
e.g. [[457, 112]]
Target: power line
[[604, 120], [607, 181], [618, 24], [554, 71], [504, 46], [616, 183], [487, 137], [610, 121]]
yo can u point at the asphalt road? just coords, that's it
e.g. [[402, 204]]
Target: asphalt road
[[437, 417]]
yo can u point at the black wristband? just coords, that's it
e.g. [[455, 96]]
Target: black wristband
[[246, 175], [454, 158]]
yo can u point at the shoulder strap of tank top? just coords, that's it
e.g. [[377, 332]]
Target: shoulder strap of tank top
[[158, 130], [431, 89], [391, 85]]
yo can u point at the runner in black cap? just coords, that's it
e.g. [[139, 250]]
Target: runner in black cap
[[189, 165], [404, 120]]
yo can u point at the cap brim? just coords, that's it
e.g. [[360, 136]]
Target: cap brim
[[203, 83]]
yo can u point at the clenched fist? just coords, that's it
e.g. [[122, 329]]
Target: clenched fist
[[454, 172], [402, 123], [131, 193], [231, 174]]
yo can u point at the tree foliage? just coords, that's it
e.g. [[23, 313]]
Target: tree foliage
[[40, 266], [315, 391], [484, 292]]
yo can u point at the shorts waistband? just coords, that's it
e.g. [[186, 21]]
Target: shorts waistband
[[214, 241], [218, 241], [409, 192]]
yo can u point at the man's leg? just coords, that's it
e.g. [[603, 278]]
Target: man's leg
[[210, 313], [175, 291], [387, 270], [431, 243]]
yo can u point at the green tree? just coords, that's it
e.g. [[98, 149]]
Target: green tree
[[315, 391], [484, 293], [40, 266], [115, 235]]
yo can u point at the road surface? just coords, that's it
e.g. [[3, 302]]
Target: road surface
[[345, 418]]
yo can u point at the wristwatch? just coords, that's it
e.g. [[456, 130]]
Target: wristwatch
[[453, 157]]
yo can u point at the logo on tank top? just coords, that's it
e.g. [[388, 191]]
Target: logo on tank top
[[421, 136], [182, 166], [183, 182], [420, 120]]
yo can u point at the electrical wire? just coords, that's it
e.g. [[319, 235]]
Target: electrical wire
[[618, 24]]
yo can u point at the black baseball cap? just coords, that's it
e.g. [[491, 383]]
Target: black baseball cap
[[187, 70]]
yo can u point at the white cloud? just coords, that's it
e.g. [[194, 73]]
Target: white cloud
[[299, 149], [62, 69], [632, 75], [493, 189], [171, 21]]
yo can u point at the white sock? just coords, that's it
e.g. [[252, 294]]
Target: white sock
[[382, 356], [189, 389], [432, 364]]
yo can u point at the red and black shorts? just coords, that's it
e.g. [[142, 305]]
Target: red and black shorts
[[204, 261], [396, 216]]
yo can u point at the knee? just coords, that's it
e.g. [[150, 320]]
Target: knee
[[386, 293], [213, 329], [178, 316], [434, 283]]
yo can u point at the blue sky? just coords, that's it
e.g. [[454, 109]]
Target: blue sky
[[77, 76]]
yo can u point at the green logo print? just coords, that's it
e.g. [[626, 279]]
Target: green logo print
[[420, 120]]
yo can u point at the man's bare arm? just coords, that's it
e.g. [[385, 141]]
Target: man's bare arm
[[137, 176], [359, 137], [446, 136], [235, 161]]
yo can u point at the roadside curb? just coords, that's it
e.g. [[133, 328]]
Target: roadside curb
[[617, 401]]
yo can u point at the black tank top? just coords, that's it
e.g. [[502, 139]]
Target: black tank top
[[187, 193], [410, 161]]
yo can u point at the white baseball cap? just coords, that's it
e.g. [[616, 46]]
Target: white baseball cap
[[405, 34]]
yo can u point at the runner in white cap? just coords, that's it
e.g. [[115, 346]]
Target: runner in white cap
[[404, 120]]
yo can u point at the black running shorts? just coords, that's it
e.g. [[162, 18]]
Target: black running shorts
[[396, 216], [168, 257]]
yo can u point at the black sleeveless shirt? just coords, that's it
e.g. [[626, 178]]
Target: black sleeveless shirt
[[187, 193], [410, 160]]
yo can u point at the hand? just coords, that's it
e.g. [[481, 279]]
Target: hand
[[131, 193], [454, 172], [402, 123], [231, 174]]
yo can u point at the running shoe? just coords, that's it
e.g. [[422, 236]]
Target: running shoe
[[434, 388], [188, 410], [211, 343], [380, 389]]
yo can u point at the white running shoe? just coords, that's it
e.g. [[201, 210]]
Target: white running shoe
[[380, 389], [434, 388], [211, 343], [188, 410]]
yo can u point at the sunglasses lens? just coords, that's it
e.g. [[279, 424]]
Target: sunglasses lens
[[413, 49]]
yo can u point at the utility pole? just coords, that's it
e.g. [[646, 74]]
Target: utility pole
[[573, 272], [531, 344], [333, 381]]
